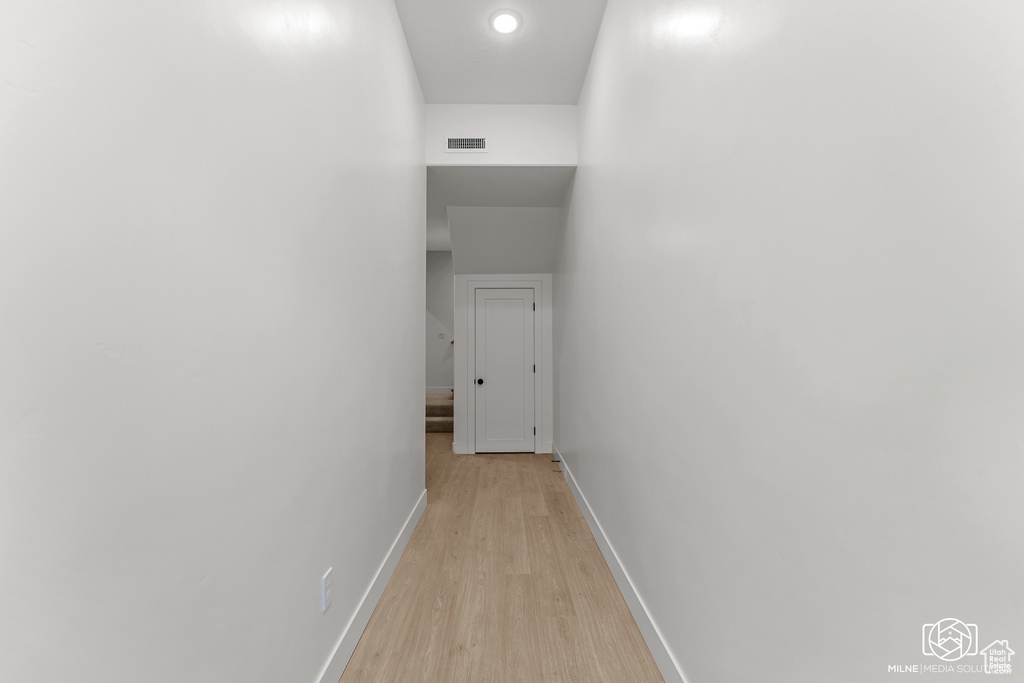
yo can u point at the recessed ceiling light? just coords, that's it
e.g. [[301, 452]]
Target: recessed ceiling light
[[505, 21]]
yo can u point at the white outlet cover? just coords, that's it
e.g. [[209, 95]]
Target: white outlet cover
[[440, 335], [325, 591]]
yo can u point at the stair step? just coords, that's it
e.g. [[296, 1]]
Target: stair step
[[441, 411], [440, 405], [440, 424]]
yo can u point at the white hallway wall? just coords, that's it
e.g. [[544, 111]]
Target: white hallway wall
[[440, 320], [506, 239], [203, 407], [517, 134], [789, 315]]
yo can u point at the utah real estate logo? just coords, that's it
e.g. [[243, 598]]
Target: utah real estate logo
[[951, 640]]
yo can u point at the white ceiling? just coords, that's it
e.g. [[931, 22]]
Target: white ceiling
[[460, 59], [496, 186]]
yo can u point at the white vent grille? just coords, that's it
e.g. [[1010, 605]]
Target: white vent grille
[[466, 145]]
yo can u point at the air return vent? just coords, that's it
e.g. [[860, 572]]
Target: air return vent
[[455, 145]]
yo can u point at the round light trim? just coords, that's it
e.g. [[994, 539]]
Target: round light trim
[[505, 21]]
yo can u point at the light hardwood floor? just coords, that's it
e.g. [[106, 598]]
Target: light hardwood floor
[[501, 581]]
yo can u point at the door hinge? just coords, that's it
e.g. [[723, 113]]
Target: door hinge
[[535, 431], [535, 307], [535, 367]]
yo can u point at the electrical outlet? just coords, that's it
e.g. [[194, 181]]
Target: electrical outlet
[[325, 591], [440, 335]]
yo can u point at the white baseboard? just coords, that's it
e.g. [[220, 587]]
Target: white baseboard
[[439, 390], [335, 665], [464, 449], [667, 664]]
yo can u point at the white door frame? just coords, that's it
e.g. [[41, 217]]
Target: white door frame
[[465, 349]]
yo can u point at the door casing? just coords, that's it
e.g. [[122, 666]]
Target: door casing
[[465, 335]]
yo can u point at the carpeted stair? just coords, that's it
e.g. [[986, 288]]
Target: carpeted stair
[[440, 411]]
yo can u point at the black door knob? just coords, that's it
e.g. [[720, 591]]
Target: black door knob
[[479, 381]]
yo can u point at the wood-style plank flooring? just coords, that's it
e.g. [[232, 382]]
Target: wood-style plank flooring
[[501, 581]]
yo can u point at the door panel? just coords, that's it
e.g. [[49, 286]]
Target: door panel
[[504, 361]]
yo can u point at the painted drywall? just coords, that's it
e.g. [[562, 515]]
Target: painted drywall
[[507, 240], [790, 315], [440, 321], [461, 58], [489, 186], [517, 134], [203, 405]]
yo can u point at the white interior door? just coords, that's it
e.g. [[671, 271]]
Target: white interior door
[[505, 371]]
